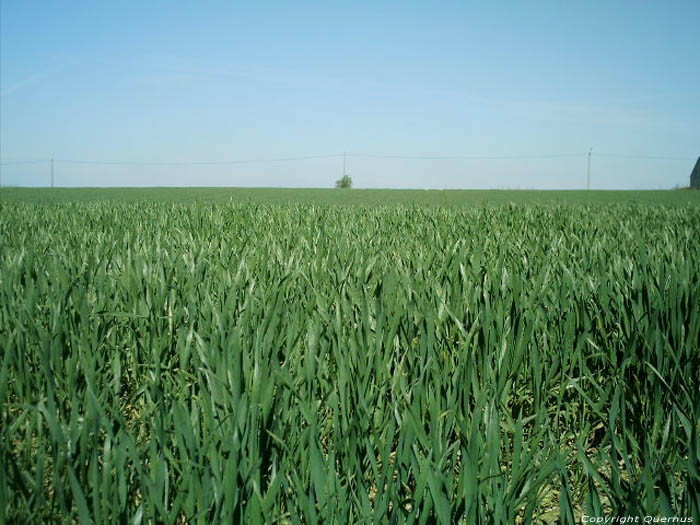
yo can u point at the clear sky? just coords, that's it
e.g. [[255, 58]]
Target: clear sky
[[217, 81]]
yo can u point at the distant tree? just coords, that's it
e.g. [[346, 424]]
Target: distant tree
[[344, 183]]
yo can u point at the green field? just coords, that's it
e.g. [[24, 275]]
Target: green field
[[356, 196], [365, 356]]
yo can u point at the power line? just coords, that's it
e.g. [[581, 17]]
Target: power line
[[338, 155], [644, 157], [197, 163], [464, 157], [18, 162]]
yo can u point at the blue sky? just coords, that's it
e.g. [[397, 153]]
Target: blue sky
[[217, 81]]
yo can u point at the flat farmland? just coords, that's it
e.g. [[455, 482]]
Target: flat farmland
[[364, 197], [348, 356]]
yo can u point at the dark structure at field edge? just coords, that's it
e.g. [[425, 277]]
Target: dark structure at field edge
[[695, 176]]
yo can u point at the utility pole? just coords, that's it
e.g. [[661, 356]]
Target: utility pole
[[344, 160], [588, 185], [52, 173]]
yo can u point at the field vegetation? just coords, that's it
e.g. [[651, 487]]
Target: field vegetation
[[307, 360]]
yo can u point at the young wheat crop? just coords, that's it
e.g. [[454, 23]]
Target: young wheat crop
[[310, 363]]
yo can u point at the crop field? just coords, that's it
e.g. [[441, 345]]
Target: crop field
[[335, 356]]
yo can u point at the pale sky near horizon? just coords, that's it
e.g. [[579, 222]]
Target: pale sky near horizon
[[222, 81]]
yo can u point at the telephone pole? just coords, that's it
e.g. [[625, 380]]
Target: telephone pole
[[52, 173], [588, 185], [344, 160]]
